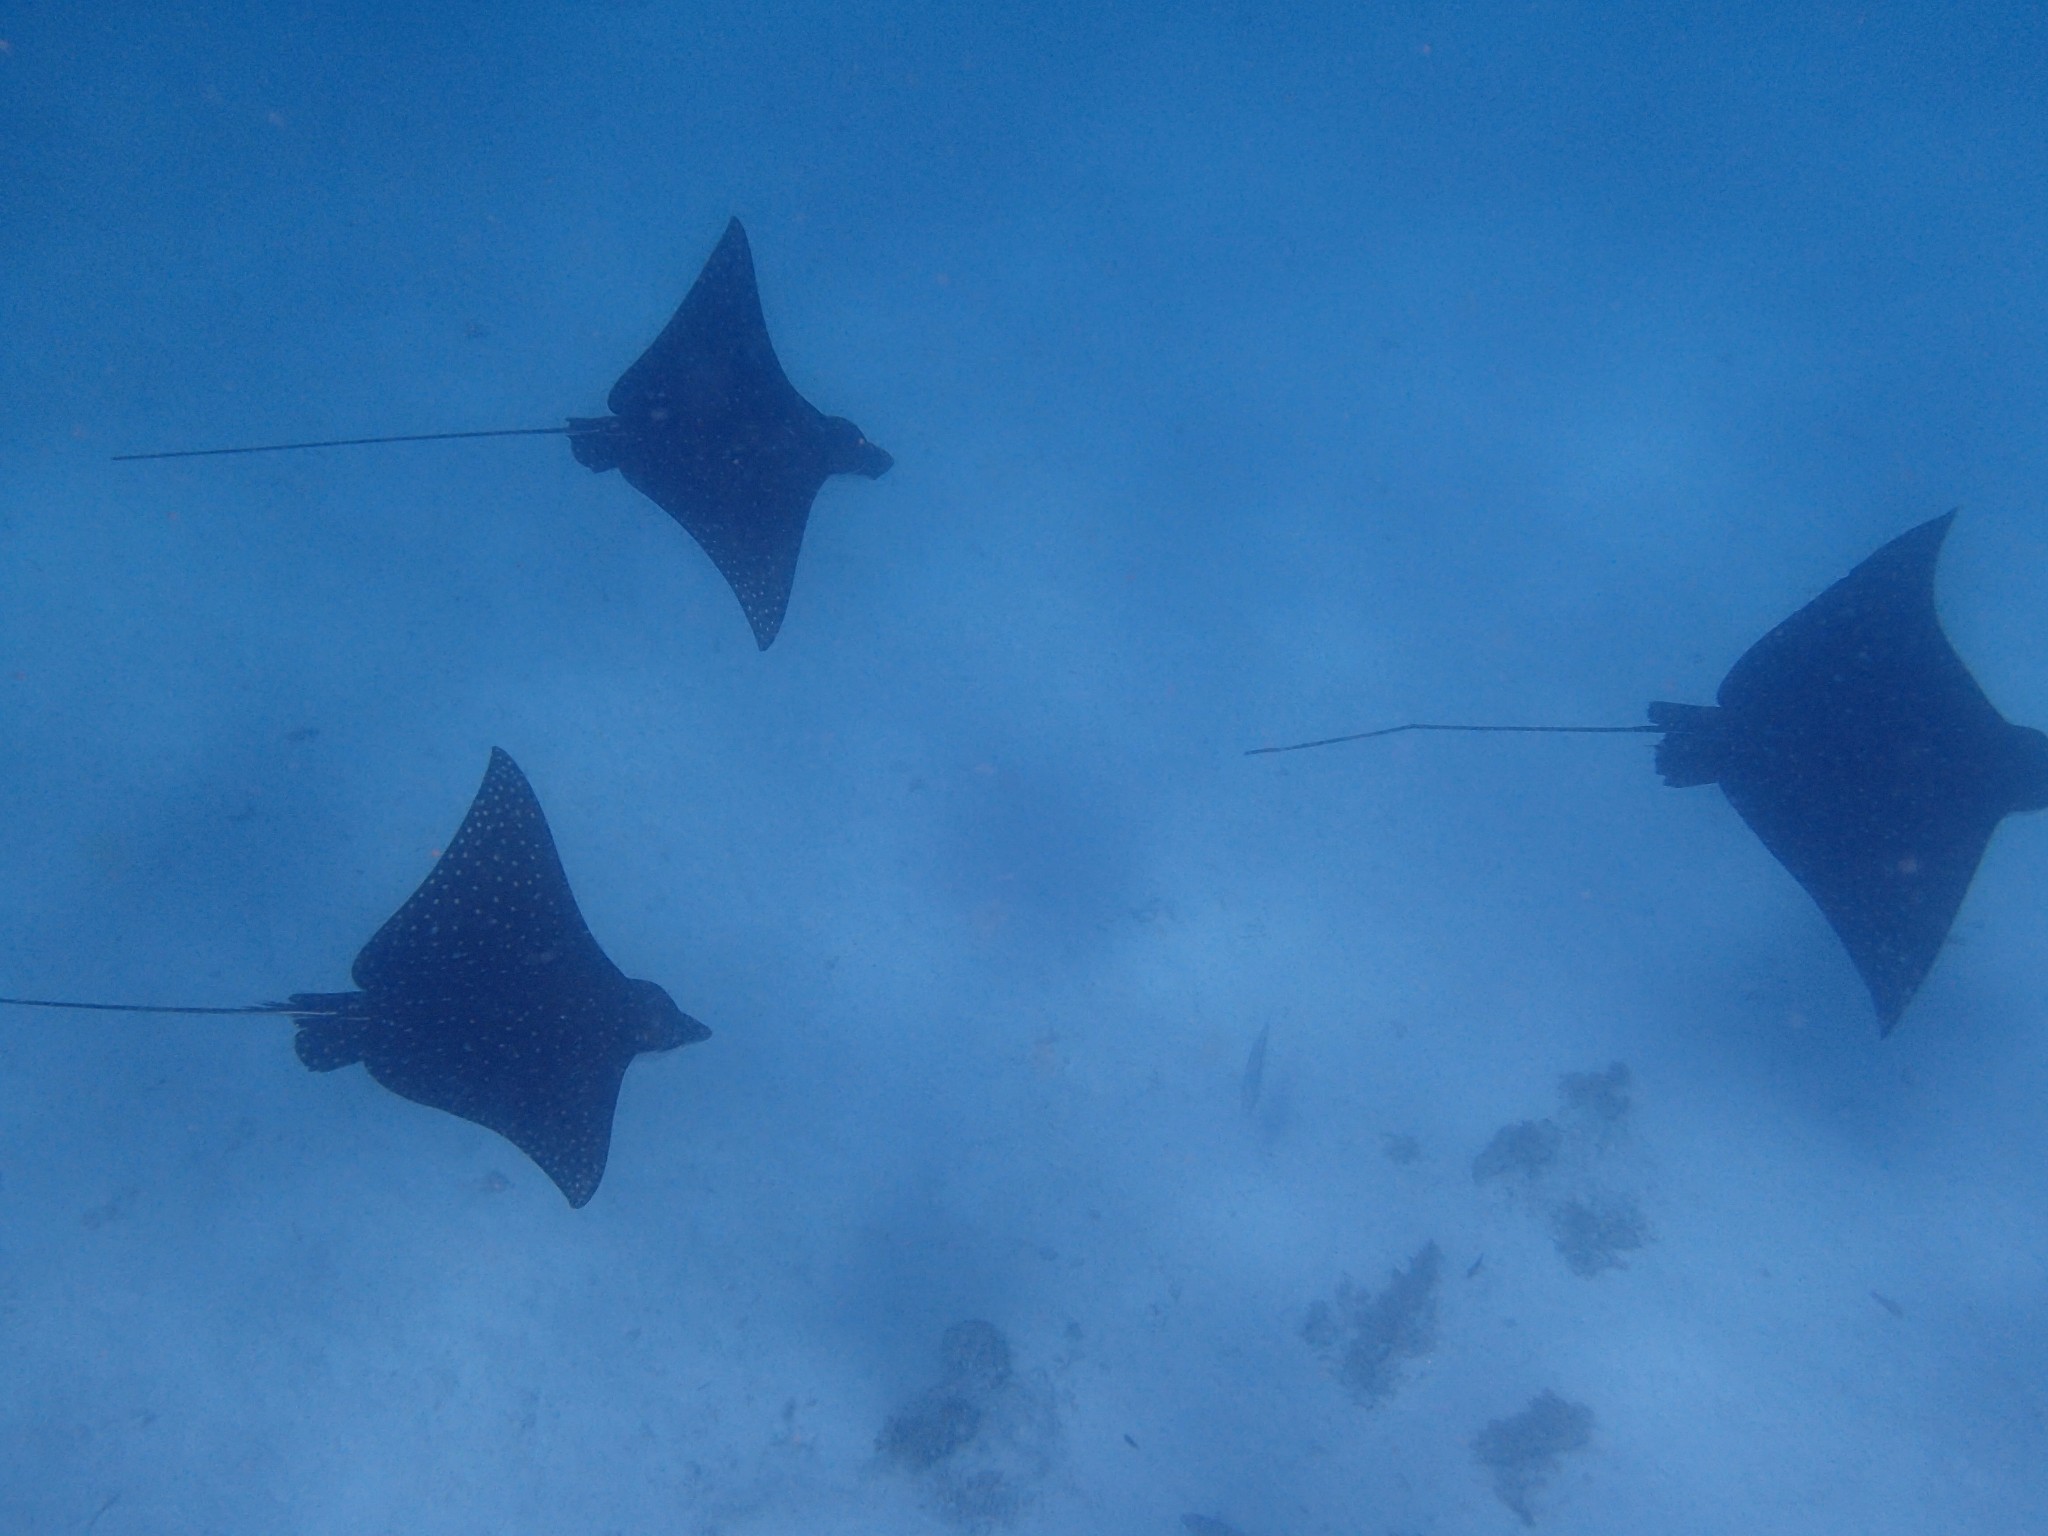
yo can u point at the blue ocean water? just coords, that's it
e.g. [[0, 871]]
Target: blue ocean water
[[1252, 373]]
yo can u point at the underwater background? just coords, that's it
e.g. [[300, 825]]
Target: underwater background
[[1253, 372]]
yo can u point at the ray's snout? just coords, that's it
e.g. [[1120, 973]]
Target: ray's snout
[[874, 460], [849, 451], [660, 1025], [2030, 769]]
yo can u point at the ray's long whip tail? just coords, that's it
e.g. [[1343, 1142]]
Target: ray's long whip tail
[[348, 442], [247, 1008], [1514, 730]]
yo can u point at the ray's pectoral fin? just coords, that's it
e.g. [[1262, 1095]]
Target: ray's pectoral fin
[[333, 1029], [1891, 898], [571, 1140], [1694, 750]]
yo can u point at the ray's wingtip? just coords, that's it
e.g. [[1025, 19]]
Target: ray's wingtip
[[1892, 1005], [1936, 528]]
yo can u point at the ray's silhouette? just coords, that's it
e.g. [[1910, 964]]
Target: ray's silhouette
[[706, 425], [1860, 750], [486, 996]]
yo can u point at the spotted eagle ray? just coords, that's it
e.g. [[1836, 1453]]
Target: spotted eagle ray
[[1860, 750], [486, 996], [706, 425]]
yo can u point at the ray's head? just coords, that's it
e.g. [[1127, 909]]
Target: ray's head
[[849, 452], [657, 1024], [2030, 766]]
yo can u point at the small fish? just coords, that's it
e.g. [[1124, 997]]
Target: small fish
[[1254, 1077], [1472, 1269], [1888, 1304], [1130, 1442]]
